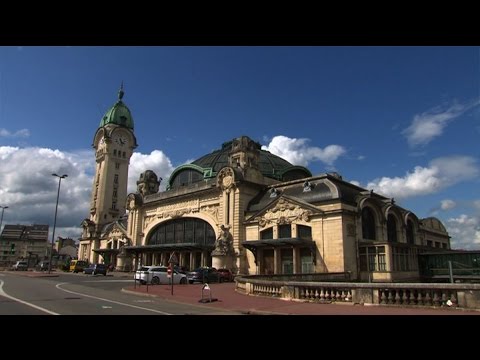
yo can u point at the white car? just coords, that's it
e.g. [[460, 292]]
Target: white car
[[20, 265], [158, 275]]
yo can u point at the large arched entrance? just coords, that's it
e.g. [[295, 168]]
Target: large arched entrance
[[191, 239]]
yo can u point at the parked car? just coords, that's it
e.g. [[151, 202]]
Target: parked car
[[158, 275], [20, 265], [95, 269], [205, 275], [226, 274], [78, 265], [42, 266]]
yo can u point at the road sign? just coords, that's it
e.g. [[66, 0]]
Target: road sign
[[173, 259], [169, 272]]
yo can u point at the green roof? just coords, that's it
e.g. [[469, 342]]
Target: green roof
[[119, 114], [270, 165]]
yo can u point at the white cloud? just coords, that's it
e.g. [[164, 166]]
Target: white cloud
[[441, 173], [430, 124], [156, 161], [447, 204], [23, 133], [297, 152], [29, 190], [465, 232]]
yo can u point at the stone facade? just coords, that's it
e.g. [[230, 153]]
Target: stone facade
[[245, 209]]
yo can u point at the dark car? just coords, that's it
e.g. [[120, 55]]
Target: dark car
[[226, 274], [95, 269], [205, 275]]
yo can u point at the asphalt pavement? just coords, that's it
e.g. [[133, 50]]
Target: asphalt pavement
[[224, 296]]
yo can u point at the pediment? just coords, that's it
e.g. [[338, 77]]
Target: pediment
[[283, 210]]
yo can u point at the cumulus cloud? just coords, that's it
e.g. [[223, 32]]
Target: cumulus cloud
[[23, 133], [297, 151], [447, 204], [465, 232], [430, 124], [29, 190], [156, 161], [441, 173]]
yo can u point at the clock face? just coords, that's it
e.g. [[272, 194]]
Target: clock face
[[121, 140]]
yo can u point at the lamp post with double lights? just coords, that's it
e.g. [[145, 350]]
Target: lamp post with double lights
[[1, 218], [55, 219]]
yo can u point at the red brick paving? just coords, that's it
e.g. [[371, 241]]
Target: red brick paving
[[229, 299]]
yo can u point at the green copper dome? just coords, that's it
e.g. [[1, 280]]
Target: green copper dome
[[119, 114]]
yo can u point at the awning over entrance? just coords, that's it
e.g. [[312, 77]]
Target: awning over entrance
[[106, 251], [168, 247], [254, 245]]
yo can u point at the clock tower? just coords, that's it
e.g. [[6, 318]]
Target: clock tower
[[114, 142]]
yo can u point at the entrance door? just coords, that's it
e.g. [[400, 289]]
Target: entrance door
[[268, 262]]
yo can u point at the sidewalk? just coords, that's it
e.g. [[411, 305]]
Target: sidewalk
[[229, 299]]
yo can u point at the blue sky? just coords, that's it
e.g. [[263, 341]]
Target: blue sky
[[403, 121]]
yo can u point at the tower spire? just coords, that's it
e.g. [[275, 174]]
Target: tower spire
[[121, 92]]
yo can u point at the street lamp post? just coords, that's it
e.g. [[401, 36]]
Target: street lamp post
[[55, 219], [1, 218]]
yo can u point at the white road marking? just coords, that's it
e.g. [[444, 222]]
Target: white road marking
[[58, 286], [107, 307], [3, 293]]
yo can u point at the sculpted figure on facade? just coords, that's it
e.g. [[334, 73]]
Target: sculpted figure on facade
[[148, 183], [224, 242]]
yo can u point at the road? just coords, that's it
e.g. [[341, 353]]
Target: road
[[79, 294]]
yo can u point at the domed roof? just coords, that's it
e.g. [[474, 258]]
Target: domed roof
[[270, 165], [119, 114]]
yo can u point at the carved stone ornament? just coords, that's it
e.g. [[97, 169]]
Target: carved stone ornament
[[226, 179], [212, 210], [284, 213]]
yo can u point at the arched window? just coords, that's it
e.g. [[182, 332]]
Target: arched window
[[368, 224], [186, 177], [392, 228], [180, 231], [410, 233]]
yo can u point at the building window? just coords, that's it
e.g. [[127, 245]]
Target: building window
[[286, 258], [373, 258], [117, 166], [304, 232], [368, 224], [429, 243], [410, 233], [306, 261], [266, 234], [115, 152], [392, 228], [182, 231], [284, 231], [404, 259], [115, 179]]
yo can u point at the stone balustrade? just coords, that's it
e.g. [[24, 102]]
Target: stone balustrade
[[389, 294]]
